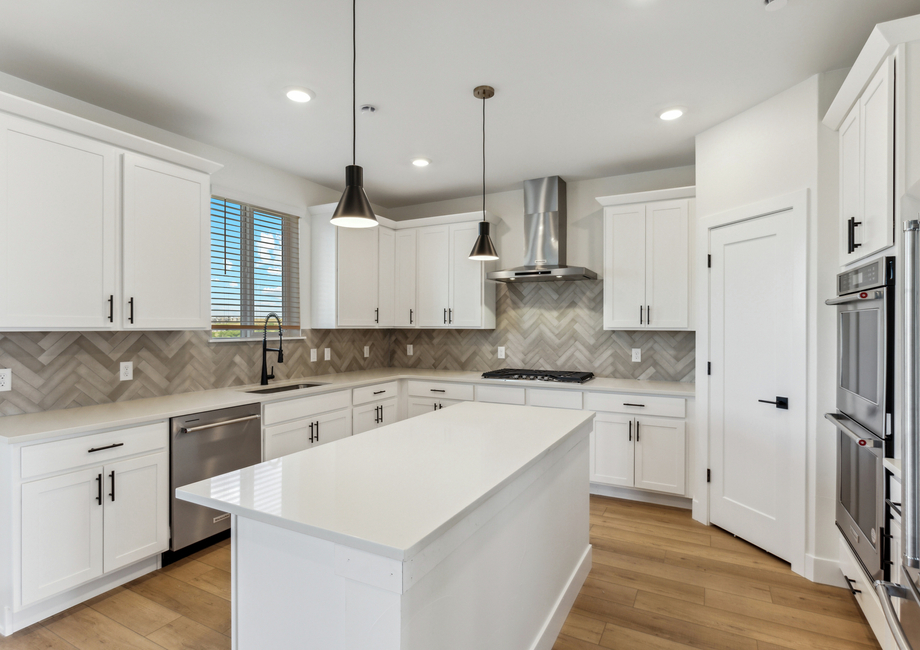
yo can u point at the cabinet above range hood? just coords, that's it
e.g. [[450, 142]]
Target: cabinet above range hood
[[544, 237]]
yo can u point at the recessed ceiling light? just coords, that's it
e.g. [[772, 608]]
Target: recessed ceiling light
[[774, 5], [421, 162], [671, 114], [300, 95]]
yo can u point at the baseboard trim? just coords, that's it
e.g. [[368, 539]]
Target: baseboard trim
[[824, 570], [644, 496], [553, 626]]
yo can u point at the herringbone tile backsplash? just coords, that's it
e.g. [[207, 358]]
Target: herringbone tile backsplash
[[553, 325]]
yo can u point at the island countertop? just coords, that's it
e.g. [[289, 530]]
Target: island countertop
[[394, 490]]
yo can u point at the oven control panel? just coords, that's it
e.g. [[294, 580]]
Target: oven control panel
[[876, 274]]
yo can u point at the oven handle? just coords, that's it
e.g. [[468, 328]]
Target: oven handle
[[875, 294], [852, 429], [885, 591]]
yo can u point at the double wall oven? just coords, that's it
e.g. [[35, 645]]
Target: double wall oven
[[865, 382]]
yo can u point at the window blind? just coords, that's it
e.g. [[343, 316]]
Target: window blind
[[255, 269]]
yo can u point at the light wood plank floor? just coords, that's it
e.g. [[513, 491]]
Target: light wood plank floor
[[659, 581]]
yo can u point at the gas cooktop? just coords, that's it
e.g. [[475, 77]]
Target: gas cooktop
[[539, 375]]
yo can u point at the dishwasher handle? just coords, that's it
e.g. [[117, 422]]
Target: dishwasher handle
[[218, 424]]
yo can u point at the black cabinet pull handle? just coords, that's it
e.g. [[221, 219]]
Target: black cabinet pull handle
[[317, 431], [131, 312], [377, 315], [850, 583], [450, 316], [112, 309], [648, 315], [99, 489], [435, 406], [112, 493], [311, 432], [855, 223], [850, 236], [640, 315], [378, 392], [445, 315], [410, 316], [438, 390], [630, 431], [642, 406], [780, 403], [112, 446], [637, 430]]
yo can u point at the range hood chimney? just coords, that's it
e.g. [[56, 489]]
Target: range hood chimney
[[545, 221]]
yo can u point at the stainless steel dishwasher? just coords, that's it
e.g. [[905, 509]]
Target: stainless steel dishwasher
[[205, 445]]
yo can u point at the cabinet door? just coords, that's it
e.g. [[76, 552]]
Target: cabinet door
[[465, 278], [167, 240], [877, 132], [406, 310], [289, 438], [624, 267], [422, 405], [667, 264], [333, 426], [364, 418], [57, 228], [388, 414], [61, 533], [136, 498], [850, 184], [660, 454], [433, 275], [357, 276], [386, 282], [612, 450]]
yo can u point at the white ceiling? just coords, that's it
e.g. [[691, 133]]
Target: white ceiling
[[578, 83]]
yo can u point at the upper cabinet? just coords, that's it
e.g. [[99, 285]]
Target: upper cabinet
[[399, 274], [867, 168], [647, 270], [94, 236]]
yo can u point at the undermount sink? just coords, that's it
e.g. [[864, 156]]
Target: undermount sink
[[281, 389]]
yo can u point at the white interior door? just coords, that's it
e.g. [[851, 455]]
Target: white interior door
[[757, 349]]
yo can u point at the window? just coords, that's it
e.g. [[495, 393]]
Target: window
[[255, 269]]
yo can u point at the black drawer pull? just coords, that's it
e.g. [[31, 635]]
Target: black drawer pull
[[377, 392], [438, 390], [641, 406], [850, 583], [95, 449]]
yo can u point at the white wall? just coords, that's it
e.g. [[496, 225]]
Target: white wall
[[585, 214], [776, 148]]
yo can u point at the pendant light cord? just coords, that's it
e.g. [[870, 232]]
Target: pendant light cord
[[483, 158], [354, 82]]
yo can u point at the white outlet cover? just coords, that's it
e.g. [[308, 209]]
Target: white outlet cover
[[327, 354], [367, 351], [501, 352], [409, 350], [313, 354], [6, 379], [637, 355], [126, 371]]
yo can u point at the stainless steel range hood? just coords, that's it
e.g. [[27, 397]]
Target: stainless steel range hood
[[544, 237]]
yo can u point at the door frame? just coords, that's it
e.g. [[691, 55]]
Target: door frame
[[797, 203]]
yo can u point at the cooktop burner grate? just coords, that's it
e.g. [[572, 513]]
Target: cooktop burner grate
[[567, 376]]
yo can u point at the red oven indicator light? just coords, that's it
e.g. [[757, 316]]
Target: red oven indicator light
[[864, 295], [862, 443]]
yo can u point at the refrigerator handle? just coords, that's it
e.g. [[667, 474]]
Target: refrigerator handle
[[885, 591]]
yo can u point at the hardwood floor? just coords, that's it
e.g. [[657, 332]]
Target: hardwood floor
[[660, 581]]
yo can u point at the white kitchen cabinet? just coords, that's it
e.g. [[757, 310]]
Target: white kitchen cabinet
[[433, 275], [167, 242], [298, 424], [386, 277], [660, 454], [406, 278], [358, 278], [647, 265], [373, 416], [422, 405], [867, 170], [612, 450], [466, 279], [58, 219]]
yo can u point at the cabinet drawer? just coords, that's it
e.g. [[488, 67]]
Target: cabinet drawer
[[438, 389], [305, 407], [867, 598], [500, 394], [62, 455], [373, 393], [562, 399], [672, 407]]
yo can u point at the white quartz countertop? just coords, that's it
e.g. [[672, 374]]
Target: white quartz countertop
[[394, 490], [86, 419]]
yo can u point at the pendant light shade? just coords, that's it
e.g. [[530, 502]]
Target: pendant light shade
[[354, 210], [483, 249]]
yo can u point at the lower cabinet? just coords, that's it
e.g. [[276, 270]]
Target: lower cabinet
[[422, 405], [79, 525], [373, 415], [291, 437]]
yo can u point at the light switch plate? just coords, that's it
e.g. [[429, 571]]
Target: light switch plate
[[501, 351], [637, 354], [409, 350], [367, 351], [6, 379], [126, 371], [313, 354], [327, 354]]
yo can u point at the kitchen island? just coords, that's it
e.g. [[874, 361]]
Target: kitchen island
[[463, 528]]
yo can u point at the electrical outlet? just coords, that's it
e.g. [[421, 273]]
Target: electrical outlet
[[367, 351], [327, 354], [6, 379], [313, 355], [126, 371], [501, 351], [637, 355], [409, 350]]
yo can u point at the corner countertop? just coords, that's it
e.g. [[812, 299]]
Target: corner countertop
[[31, 427], [394, 490]]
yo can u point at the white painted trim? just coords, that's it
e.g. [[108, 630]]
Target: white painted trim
[[257, 201], [824, 570], [462, 217], [798, 203], [643, 496], [53, 117], [687, 192], [553, 626]]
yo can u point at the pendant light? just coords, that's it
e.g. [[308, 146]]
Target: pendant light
[[354, 210], [483, 250]]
